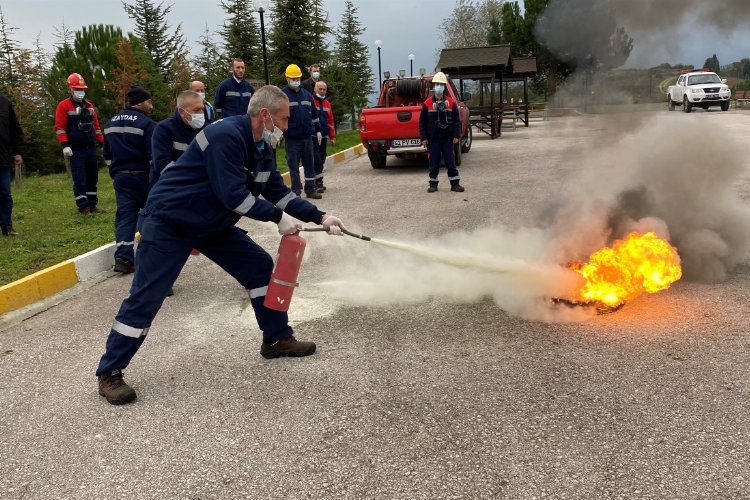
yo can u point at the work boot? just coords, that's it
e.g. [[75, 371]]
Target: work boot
[[114, 388], [123, 266], [86, 212], [314, 195], [287, 347], [96, 210], [321, 188], [457, 188], [8, 230], [170, 292], [432, 188]]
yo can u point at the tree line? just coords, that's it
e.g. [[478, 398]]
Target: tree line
[[156, 56]]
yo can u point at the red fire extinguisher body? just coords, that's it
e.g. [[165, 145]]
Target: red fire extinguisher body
[[285, 272]]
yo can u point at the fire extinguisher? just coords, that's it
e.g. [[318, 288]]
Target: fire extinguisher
[[285, 272]]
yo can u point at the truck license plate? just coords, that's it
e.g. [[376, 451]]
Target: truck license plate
[[403, 143]]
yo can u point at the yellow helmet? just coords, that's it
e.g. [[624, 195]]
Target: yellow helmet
[[439, 77], [293, 71]]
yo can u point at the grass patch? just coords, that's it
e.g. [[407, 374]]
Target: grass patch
[[51, 229]]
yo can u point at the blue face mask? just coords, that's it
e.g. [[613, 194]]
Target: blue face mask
[[294, 84], [439, 89]]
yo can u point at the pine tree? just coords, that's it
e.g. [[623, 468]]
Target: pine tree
[[242, 37], [157, 36], [93, 54], [352, 55], [320, 30], [290, 37], [64, 35], [41, 150], [495, 34], [9, 48], [209, 66]]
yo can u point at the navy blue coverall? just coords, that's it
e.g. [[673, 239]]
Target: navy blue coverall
[[303, 123], [232, 97], [439, 127], [196, 203], [127, 151], [170, 140]]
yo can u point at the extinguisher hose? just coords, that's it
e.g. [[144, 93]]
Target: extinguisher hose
[[348, 233]]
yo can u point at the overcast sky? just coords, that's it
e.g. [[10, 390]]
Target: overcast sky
[[404, 26]]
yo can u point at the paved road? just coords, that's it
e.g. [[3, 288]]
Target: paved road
[[448, 396]]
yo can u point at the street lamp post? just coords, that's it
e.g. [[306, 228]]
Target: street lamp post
[[411, 64], [262, 7], [379, 45]]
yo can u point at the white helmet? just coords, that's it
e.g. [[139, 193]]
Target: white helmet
[[439, 77]]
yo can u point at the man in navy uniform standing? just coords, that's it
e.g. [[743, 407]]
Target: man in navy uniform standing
[[227, 172], [233, 94], [303, 123], [127, 151], [173, 136]]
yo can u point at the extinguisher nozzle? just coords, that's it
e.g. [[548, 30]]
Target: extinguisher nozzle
[[360, 236]]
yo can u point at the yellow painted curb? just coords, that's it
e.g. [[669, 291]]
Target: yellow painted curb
[[37, 286], [339, 157]]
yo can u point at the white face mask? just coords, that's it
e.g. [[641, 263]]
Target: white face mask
[[274, 137], [197, 121], [316, 74], [320, 96], [203, 95], [79, 94]]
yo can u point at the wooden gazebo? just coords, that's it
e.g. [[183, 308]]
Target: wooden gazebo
[[489, 65]]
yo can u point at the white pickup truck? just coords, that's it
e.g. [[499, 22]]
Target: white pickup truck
[[698, 88]]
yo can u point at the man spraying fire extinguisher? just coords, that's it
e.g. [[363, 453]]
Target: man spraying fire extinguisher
[[227, 172]]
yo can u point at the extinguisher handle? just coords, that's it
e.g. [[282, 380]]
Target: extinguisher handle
[[348, 233]]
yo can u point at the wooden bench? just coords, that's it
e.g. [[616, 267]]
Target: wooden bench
[[741, 97], [538, 110]]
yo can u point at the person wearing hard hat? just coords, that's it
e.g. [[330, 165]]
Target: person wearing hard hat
[[303, 124], [233, 94], [440, 130], [78, 132], [228, 172], [127, 152]]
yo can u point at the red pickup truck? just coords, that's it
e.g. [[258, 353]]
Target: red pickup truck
[[392, 127]]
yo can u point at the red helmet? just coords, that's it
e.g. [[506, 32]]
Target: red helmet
[[76, 81]]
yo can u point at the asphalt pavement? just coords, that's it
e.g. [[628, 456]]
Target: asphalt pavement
[[424, 399]]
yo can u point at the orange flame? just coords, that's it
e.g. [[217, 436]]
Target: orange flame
[[639, 263]]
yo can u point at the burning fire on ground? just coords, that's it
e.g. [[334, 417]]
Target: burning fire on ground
[[613, 275]]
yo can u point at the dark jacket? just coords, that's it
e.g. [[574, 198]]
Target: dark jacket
[[223, 176], [309, 85], [170, 140], [127, 141], [439, 124], [232, 97], [303, 117], [11, 135]]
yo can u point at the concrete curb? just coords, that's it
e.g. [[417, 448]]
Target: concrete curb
[[57, 278]]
